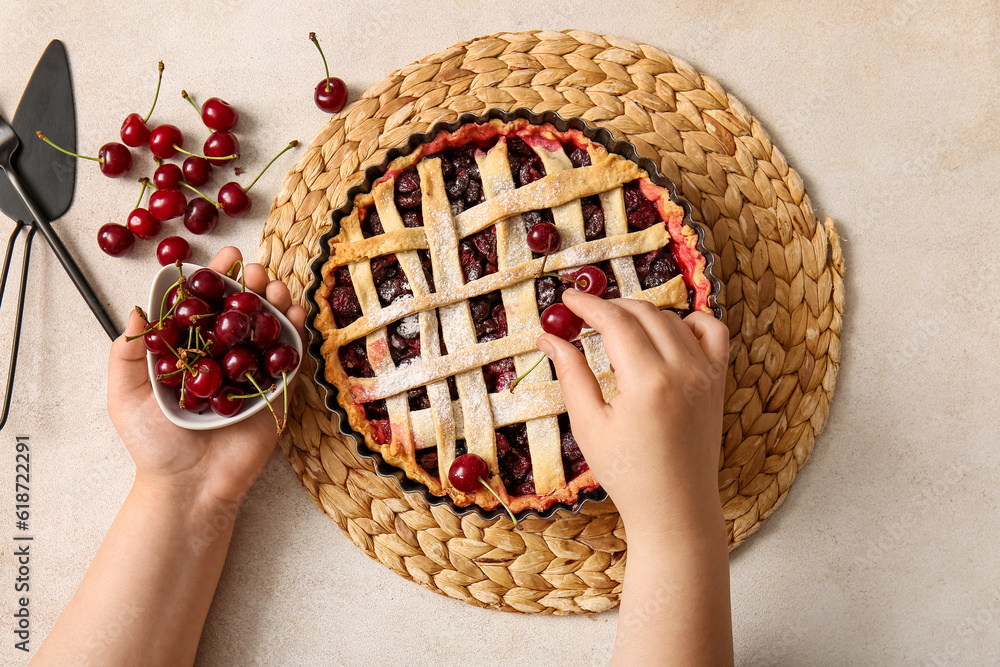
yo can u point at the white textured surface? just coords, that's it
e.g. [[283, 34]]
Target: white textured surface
[[885, 551]]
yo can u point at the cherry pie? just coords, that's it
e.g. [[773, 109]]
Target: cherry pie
[[430, 300]]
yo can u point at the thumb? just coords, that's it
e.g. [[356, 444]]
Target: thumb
[[127, 361], [580, 390]]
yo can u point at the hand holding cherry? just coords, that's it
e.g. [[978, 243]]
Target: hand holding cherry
[[223, 462]]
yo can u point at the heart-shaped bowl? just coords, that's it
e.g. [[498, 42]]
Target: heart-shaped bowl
[[208, 419]]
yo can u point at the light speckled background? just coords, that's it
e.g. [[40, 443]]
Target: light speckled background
[[885, 551]]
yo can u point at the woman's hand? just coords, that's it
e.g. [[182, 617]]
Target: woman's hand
[[221, 463], [655, 446]]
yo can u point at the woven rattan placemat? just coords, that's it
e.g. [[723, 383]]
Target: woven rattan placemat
[[783, 291]]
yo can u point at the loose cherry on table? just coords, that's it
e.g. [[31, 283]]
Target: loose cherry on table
[[233, 198], [331, 93], [134, 131], [165, 140], [167, 176], [167, 204], [114, 158], [171, 250], [140, 221], [216, 114], [222, 148], [197, 171], [200, 216], [467, 472], [115, 240]]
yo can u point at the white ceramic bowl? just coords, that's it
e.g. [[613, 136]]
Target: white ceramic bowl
[[208, 419]]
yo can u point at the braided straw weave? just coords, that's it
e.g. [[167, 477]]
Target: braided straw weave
[[783, 292]]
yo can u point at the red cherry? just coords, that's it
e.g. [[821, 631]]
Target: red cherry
[[167, 204], [114, 239], [163, 141], [216, 350], [200, 216], [281, 358], [197, 171], [265, 330], [232, 327], [330, 94], [240, 362], [167, 176], [223, 146], [193, 311], [247, 302], [165, 369], [218, 115], [163, 336], [207, 284], [114, 159], [143, 224], [594, 280], [206, 379], [466, 472], [223, 405], [560, 321], [544, 238], [192, 403], [134, 131], [234, 199], [171, 250]]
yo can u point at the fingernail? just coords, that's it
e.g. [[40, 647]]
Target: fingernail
[[545, 346]]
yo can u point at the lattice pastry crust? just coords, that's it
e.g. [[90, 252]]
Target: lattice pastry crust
[[437, 307]]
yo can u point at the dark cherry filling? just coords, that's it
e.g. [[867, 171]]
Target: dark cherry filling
[[478, 254], [462, 182], [428, 460], [390, 281], [641, 212], [593, 218], [514, 459], [354, 359], [371, 225], [656, 267], [573, 462], [343, 301]]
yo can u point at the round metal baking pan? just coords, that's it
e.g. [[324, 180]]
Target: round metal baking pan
[[372, 174]]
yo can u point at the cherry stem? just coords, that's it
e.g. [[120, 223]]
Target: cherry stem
[[159, 378], [159, 80], [142, 314], [185, 95], [255, 395], [292, 144], [202, 195], [145, 184], [505, 506], [190, 336], [179, 358], [163, 300], [264, 396], [206, 157], [243, 277], [63, 150], [180, 403], [577, 281], [284, 391], [524, 374], [312, 36]]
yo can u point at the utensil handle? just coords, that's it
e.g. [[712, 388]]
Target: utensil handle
[[75, 274], [18, 318]]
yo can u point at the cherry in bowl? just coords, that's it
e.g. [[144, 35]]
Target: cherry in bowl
[[203, 414]]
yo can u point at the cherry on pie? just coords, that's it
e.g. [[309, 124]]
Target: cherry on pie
[[430, 300]]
